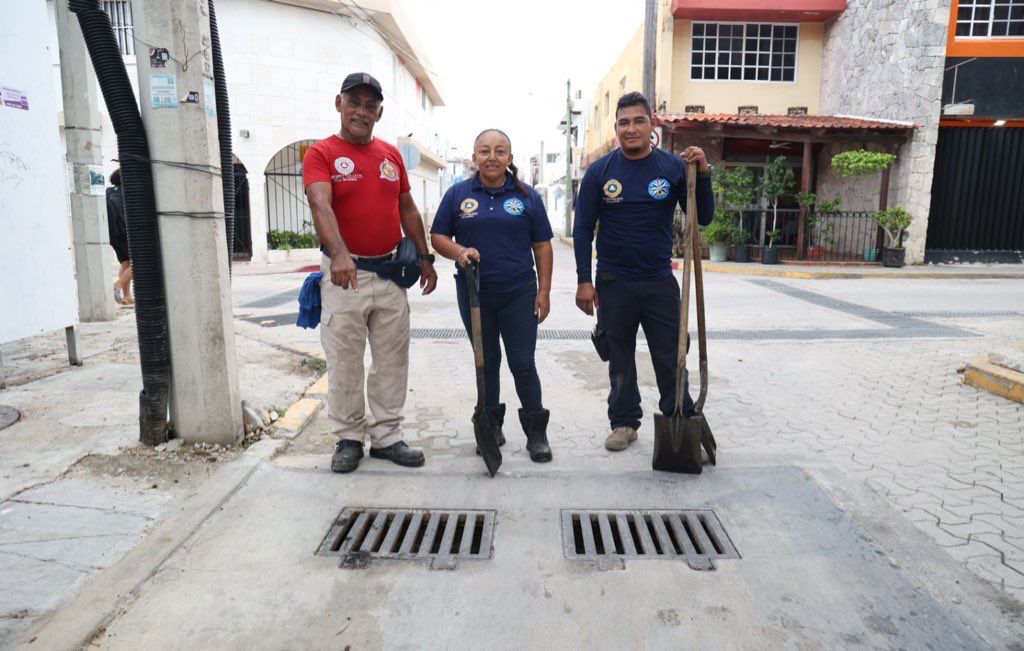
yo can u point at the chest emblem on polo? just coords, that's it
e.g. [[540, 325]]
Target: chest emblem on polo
[[388, 170], [514, 207], [469, 206], [344, 165], [612, 188], [658, 188]]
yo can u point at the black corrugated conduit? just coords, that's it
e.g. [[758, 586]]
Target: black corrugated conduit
[[224, 135], [140, 214]]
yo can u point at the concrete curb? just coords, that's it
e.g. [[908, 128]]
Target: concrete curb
[[782, 271], [998, 380], [302, 411], [111, 592]]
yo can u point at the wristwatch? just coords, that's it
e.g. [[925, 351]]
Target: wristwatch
[[427, 257]]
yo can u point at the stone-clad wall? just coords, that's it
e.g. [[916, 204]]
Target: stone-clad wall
[[884, 59]]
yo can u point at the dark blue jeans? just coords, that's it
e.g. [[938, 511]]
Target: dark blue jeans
[[624, 306], [510, 315]]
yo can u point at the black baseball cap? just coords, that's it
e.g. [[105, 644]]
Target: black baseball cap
[[357, 79]]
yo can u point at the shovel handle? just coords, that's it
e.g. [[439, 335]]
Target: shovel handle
[[473, 288], [702, 336], [689, 234]]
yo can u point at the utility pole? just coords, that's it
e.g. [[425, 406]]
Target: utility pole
[[650, 61], [179, 110], [568, 158], [83, 134]]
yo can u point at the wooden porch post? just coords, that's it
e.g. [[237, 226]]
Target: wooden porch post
[[883, 203], [805, 187]]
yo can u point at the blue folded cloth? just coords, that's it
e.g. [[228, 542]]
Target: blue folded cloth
[[309, 301]]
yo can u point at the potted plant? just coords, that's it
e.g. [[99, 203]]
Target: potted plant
[[740, 239], [770, 254], [717, 234], [815, 251], [778, 183], [894, 221]]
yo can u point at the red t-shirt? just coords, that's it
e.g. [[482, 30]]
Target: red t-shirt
[[366, 181]]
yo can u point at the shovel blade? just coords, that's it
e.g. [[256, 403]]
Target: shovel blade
[[677, 443], [486, 441]]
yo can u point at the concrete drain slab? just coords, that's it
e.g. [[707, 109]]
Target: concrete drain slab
[[695, 537], [810, 576], [442, 536]]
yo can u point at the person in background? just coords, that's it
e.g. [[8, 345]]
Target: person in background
[[117, 227]]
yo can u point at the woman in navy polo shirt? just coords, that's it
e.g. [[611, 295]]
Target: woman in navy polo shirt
[[496, 220]]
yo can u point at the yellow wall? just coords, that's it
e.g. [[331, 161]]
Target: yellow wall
[[770, 97], [628, 65]]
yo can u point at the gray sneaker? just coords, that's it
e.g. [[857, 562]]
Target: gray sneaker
[[620, 438]]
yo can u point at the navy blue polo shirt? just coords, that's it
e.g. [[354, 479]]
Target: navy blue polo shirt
[[501, 223], [634, 201]]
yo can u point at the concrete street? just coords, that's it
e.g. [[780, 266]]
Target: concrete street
[[873, 498]]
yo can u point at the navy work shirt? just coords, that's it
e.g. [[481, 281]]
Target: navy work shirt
[[634, 200], [501, 223]]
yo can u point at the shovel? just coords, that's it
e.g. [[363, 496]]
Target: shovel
[[483, 428], [677, 437]]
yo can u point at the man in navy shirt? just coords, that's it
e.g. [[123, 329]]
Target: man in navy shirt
[[632, 194]]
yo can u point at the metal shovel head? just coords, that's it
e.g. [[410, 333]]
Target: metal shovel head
[[677, 441], [486, 441]]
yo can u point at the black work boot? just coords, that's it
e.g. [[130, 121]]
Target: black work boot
[[346, 456], [496, 417], [535, 425], [399, 453]]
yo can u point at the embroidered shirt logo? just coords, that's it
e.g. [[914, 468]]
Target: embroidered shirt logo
[[388, 170], [344, 165], [469, 206], [514, 207], [612, 188], [658, 189]]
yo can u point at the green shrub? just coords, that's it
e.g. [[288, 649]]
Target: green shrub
[[286, 240], [861, 162], [894, 221]]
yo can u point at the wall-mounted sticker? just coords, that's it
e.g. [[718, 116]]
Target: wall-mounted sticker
[[210, 98], [163, 91], [14, 98], [192, 97], [97, 182], [158, 57]]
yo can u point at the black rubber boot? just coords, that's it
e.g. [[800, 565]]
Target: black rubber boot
[[346, 456], [496, 415], [535, 425]]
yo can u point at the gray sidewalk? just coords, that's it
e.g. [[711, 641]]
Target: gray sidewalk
[[873, 498]]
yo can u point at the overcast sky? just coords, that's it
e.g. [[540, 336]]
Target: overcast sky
[[504, 64]]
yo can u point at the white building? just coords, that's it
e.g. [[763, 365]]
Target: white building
[[284, 62]]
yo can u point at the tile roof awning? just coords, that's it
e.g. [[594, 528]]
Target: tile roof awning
[[802, 128], [797, 11]]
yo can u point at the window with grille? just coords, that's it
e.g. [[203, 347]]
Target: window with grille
[[744, 52], [990, 18], [120, 12], [551, 158]]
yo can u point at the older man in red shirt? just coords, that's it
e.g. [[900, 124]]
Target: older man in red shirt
[[358, 191]]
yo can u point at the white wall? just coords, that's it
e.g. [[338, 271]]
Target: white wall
[[284, 66]]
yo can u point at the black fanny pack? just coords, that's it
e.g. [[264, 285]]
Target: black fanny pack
[[403, 269]]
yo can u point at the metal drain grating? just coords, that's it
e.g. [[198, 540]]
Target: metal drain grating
[[275, 300], [968, 315], [444, 537], [694, 536]]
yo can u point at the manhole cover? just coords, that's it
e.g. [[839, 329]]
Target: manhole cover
[[693, 536], [8, 416], [443, 537]]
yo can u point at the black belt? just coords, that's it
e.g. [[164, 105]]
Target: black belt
[[361, 261]]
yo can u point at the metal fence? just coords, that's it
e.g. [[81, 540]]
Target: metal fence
[[287, 210], [832, 237]]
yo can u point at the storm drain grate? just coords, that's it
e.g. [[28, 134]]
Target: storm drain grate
[[276, 300], [694, 536], [444, 537], [954, 314]]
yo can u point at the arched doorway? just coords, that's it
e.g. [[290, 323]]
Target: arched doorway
[[289, 220], [243, 217]]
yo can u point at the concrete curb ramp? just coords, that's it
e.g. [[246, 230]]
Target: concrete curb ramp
[[302, 411], [1004, 382]]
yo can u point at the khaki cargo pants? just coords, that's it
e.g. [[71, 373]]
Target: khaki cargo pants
[[379, 311]]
